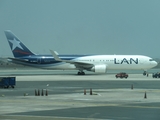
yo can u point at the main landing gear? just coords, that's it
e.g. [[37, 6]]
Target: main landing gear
[[144, 73], [81, 73]]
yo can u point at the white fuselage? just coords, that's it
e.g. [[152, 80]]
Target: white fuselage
[[132, 62]]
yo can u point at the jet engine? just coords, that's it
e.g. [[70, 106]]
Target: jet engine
[[99, 69]]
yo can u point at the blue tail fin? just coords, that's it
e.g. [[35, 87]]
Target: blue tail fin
[[17, 47]]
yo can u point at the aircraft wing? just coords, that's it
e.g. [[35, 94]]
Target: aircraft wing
[[78, 64], [83, 65]]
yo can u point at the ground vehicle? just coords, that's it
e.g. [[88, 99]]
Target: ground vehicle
[[156, 75], [121, 75], [5, 82]]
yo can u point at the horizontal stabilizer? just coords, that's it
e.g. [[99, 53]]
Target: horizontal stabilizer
[[17, 59]]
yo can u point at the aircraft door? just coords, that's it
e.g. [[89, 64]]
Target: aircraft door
[[39, 60], [142, 61]]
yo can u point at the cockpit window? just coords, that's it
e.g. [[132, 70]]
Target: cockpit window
[[151, 60]]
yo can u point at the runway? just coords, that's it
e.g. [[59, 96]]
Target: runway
[[112, 99]]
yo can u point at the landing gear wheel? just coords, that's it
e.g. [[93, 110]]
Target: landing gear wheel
[[144, 73], [81, 73]]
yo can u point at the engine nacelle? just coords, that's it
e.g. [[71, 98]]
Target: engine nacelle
[[99, 69]]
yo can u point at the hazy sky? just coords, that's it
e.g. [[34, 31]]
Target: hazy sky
[[83, 26]]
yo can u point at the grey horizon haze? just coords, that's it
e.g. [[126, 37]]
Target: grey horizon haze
[[83, 26]]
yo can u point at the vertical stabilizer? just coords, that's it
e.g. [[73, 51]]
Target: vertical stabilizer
[[17, 47]]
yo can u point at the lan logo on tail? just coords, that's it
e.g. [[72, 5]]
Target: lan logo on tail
[[15, 44]]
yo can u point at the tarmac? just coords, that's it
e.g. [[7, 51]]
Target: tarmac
[[62, 97]]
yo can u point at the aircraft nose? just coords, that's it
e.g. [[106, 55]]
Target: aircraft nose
[[154, 63]]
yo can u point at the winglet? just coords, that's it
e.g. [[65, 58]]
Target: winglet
[[55, 56], [56, 52]]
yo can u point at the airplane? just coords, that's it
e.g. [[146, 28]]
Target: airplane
[[94, 63]]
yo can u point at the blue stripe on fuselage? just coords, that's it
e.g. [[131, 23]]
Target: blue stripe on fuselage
[[46, 59]]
